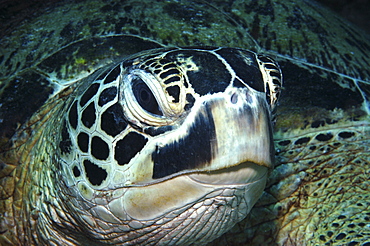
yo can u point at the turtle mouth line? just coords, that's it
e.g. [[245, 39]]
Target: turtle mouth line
[[241, 174]]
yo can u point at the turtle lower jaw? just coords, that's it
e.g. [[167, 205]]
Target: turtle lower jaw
[[246, 181]]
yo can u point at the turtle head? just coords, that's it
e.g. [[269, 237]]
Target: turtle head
[[172, 138]]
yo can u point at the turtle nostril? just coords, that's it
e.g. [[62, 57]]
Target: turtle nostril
[[234, 98], [248, 97]]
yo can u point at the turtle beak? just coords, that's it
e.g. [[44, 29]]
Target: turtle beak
[[223, 130], [243, 129], [243, 150]]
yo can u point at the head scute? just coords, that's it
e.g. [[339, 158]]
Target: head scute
[[273, 79]]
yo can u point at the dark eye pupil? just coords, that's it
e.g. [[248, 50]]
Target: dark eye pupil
[[145, 97]]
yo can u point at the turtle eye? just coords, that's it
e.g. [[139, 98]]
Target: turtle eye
[[145, 97]]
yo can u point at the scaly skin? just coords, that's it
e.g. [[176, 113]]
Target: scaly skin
[[24, 195]]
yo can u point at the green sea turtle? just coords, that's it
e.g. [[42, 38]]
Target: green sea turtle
[[115, 131]]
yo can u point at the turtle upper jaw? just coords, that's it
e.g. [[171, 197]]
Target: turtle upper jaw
[[222, 131], [243, 129]]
